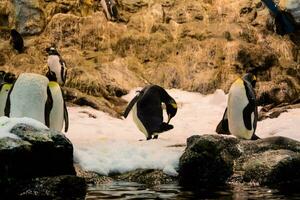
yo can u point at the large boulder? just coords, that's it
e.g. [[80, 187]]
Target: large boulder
[[36, 162], [215, 159], [30, 18]]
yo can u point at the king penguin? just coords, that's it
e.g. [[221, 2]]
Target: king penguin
[[34, 96], [56, 65], [148, 113], [240, 116], [110, 10], [5, 86]]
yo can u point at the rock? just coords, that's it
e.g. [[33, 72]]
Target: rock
[[30, 19], [273, 111], [37, 164], [210, 160], [207, 160], [150, 177], [37, 153], [92, 177], [57, 187]]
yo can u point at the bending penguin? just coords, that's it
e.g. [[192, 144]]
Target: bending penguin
[[240, 116], [34, 96], [56, 66], [5, 86], [148, 113]]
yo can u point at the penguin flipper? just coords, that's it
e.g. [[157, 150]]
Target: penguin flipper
[[130, 105], [48, 107], [248, 110], [66, 115], [223, 127]]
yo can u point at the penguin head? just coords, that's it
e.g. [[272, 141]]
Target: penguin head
[[2, 73], [171, 107], [52, 51], [9, 78], [14, 33], [251, 78]]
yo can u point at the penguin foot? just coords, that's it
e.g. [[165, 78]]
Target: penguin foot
[[155, 137], [149, 137], [165, 127]]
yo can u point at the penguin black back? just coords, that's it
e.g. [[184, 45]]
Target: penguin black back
[[17, 40]]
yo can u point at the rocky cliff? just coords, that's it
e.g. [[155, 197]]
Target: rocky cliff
[[195, 45]]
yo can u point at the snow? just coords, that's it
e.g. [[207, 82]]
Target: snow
[[109, 145], [6, 124]]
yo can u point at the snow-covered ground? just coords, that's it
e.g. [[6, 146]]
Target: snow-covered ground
[[107, 145]]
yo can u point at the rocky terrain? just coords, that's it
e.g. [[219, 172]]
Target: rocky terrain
[[195, 45], [38, 164]]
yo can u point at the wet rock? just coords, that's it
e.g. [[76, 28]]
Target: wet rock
[[212, 159], [38, 164], [207, 160], [149, 177], [37, 153], [57, 187], [92, 177]]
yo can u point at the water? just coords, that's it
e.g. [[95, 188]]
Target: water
[[129, 190]]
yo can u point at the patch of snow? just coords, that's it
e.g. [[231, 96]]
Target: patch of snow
[[108, 145], [6, 124]]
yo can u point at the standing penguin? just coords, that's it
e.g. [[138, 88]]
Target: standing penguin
[[148, 113], [56, 65], [17, 40], [240, 117], [32, 95], [5, 86], [110, 9]]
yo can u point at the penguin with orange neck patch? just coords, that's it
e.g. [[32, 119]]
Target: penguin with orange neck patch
[[240, 116], [148, 113]]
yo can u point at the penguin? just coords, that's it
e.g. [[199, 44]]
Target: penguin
[[17, 40], [5, 86], [240, 116], [2, 73], [110, 10], [34, 96], [148, 113], [56, 65], [285, 23]]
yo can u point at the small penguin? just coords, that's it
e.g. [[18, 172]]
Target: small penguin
[[147, 110], [17, 40], [5, 86], [240, 116], [110, 10], [56, 65], [34, 96]]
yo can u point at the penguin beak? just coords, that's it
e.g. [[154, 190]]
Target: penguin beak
[[174, 105]]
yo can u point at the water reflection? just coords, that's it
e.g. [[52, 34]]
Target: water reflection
[[126, 190]]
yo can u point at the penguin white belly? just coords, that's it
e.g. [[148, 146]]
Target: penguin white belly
[[137, 121], [57, 111], [237, 101], [55, 66], [3, 97], [28, 97]]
